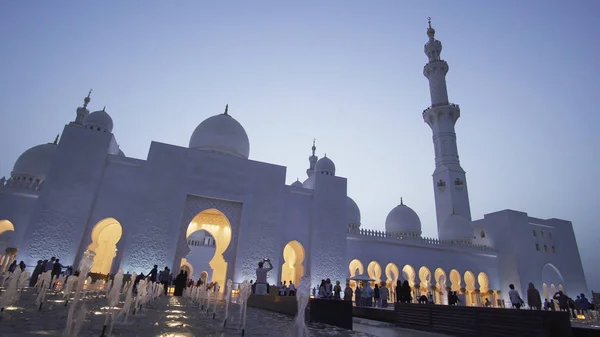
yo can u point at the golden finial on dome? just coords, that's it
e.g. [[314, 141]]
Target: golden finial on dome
[[226, 109], [430, 30]]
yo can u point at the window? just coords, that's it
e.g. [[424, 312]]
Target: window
[[545, 248], [537, 247], [553, 249], [482, 234], [542, 234], [534, 234]]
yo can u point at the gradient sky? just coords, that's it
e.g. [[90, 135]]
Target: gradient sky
[[348, 73]]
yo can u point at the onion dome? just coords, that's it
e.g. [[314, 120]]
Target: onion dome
[[325, 166], [221, 134], [99, 121], [352, 214], [403, 220]]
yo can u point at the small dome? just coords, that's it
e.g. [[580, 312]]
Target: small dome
[[456, 227], [98, 120], [352, 213], [403, 220], [297, 183], [35, 162], [221, 134], [325, 166]]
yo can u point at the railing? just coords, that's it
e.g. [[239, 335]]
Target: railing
[[24, 183], [417, 239], [441, 104], [192, 242]]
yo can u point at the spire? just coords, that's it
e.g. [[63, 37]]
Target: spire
[[226, 110], [87, 100], [430, 30], [314, 148], [104, 109], [312, 160], [401, 202], [56, 140]]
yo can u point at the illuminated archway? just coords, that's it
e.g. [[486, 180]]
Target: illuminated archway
[[551, 275], [484, 283], [408, 272], [186, 266], [105, 236], [425, 278], [455, 280], [204, 276], [218, 226], [356, 268], [470, 288], [392, 273], [293, 266], [440, 284], [545, 291], [374, 270]]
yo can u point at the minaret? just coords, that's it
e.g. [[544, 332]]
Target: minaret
[[82, 111], [313, 161], [449, 179]]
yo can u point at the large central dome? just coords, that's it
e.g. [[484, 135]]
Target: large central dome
[[221, 134]]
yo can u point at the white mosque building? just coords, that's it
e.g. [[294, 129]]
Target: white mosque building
[[211, 210]]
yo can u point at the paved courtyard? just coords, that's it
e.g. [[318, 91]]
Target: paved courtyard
[[169, 317]]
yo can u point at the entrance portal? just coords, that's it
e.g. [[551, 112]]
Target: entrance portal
[[293, 267], [217, 225], [105, 236]]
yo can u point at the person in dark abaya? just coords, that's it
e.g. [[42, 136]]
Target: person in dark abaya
[[405, 292], [36, 273], [398, 291], [180, 283]]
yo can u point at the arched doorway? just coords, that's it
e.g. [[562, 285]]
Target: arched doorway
[[374, 271], [105, 236], [293, 266], [470, 288], [455, 280], [204, 276], [484, 288], [218, 226], [408, 273], [356, 268], [440, 285], [551, 275], [187, 267], [392, 273]]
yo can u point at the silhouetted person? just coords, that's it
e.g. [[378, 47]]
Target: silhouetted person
[[563, 300], [22, 266], [180, 281], [398, 291], [12, 267], [405, 292], [163, 277], [153, 273], [515, 298], [56, 269], [36, 273], [533, 297]]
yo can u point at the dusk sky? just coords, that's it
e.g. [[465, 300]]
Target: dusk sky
[[348, 73]]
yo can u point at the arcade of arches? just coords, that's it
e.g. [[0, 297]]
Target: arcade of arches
[[422, 281], [105, 236], [293, 266], [218, 226]]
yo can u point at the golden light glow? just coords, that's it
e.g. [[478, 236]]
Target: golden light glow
[[6, 226], [185, 265], [105, 236], [425, 277], [392, 273], [374, 270], [293, 266], [217, 224], [455, 280], [484, 283], [409, 274], [469, 281], [356, 268]]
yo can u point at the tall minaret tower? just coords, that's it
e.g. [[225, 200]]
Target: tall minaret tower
[[449, 179], [312, 160]]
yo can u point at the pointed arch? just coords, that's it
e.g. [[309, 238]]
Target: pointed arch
[[356, 268], [408, 272], [374, 270], [218, 226], [6, 226], [105, 236], [455, 280], [425, 278], [293, 267]]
